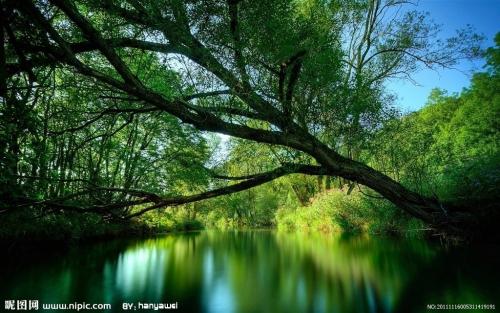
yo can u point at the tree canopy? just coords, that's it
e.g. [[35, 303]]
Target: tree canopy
[[107, 105]]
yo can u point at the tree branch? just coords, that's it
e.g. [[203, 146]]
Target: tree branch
[[252, 181], [158, 201], [235, 33]]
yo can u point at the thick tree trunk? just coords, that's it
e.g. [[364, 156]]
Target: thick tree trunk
[[285, 131], [427, 209]]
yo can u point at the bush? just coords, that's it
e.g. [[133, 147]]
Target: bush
[[334, 211]]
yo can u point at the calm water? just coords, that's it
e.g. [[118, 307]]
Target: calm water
[[258, 271]]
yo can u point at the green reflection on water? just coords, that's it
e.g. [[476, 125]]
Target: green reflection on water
[[258, 271]]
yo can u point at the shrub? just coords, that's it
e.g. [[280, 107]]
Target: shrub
[[335, 211]]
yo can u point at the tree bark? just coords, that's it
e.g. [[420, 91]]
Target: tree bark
[[285, 131]]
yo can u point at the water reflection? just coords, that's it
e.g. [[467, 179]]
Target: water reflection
[[258, 271], [137, 272]]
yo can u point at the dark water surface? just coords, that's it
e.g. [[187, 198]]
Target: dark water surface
[[258, 271]]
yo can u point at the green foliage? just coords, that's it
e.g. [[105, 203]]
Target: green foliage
[[334, 211], [76, 134], [70, 227], [450, 148], [73, 226], [61, 143]]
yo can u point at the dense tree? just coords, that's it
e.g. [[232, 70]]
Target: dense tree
[[450, 147], [306, 76]]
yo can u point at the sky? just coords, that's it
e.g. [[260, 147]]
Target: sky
[[483, 15]]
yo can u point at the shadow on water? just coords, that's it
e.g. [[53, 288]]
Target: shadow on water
[[257, 271]]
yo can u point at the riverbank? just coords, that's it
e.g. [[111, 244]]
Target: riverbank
[[338, 211], [334, 211]]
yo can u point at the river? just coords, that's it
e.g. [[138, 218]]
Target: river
[[256, 271]]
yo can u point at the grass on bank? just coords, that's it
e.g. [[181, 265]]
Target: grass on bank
[[334, 211]]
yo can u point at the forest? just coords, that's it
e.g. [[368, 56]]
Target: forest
[[138, 117], [238, 156]]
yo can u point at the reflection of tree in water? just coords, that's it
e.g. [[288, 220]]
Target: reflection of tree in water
[[294, 273], [260, 271], [178, 273], [460, 276], [56, 274], [354, 274]]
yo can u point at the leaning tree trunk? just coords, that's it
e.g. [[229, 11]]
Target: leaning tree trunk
[[429, 210], [183, 42]]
